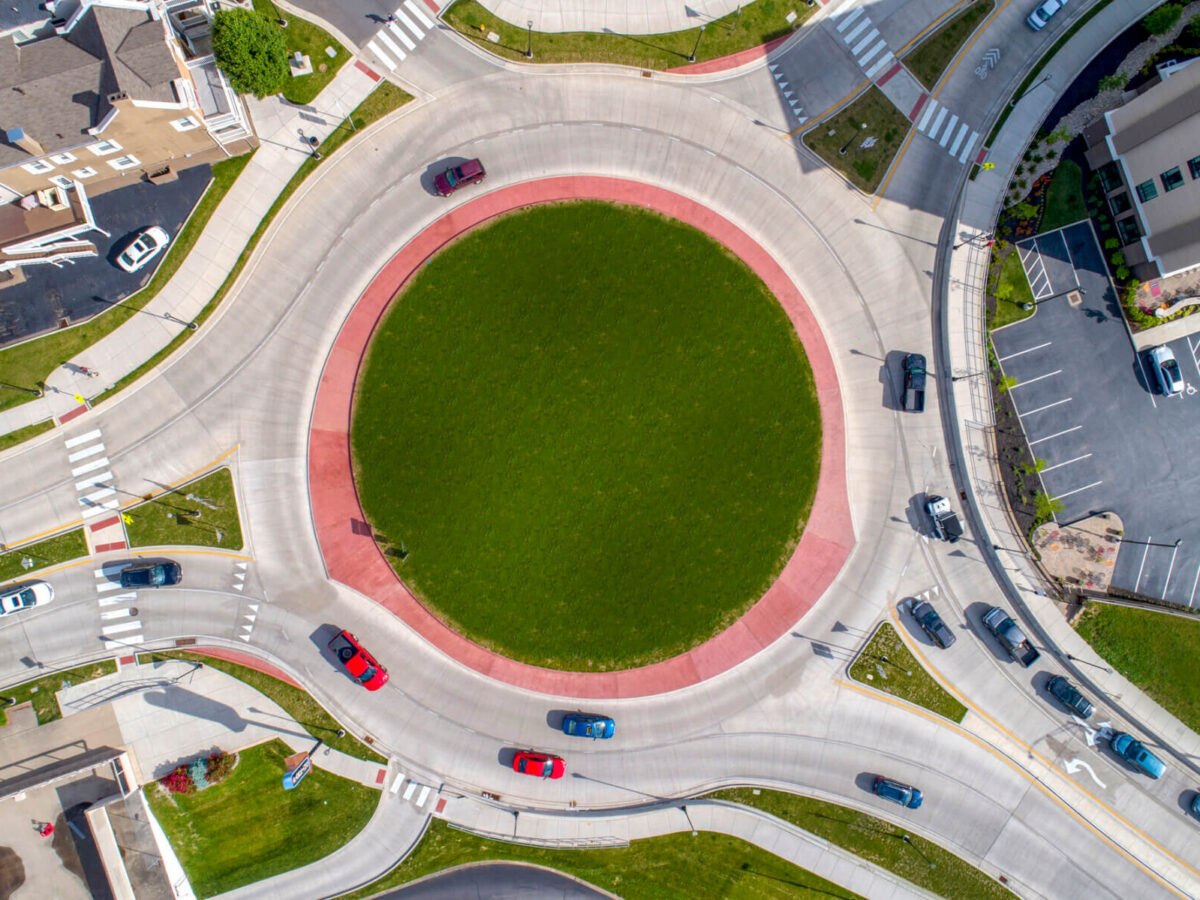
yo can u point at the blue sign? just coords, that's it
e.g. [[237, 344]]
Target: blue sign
[[294, 777]]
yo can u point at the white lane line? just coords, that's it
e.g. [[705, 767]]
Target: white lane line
[[857, 30], [89, 467], [1077, 490], [962, 157], [380, 55], [962, 133], [85, 453], [1047, 406], [409, 24], [101, 494], [1194, 583], [93, 481], [1033, 380], [929, 108], [421, 17], [949, 131], [862, 45], [1028, 350], [1170, 569], [119, 598], [869, 55], [1056, 434], [395, 29], [849, 17], [118, 629], [82, 439], [1067, 463], [1145, 550], [884, 61]]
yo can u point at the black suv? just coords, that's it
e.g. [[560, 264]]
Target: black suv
[[1069, 696], [157, 575], [931, 623]]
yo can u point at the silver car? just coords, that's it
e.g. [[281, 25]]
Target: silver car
[[1165, 369], [18, 597], [1040, 17]]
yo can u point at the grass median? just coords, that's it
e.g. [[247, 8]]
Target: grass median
[[707, 866], [201, 513], [752, 25], [887, 665], [922, 862], [838, 140], [928, 60], [41, 691], [42, 554], [247, 827]]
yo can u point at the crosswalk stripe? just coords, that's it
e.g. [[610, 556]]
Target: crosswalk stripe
[[863, 60], [409, 24], [421, 17], [962, 133], [404, 38], [962, 157], [865, 42], [82, 439], [119, 598], [857, 30], [98, 496], [118, 629], [937, 123], [113, 644], [114, 614], [89, 467], [929, 108], [380, 55], [393, 46], [102, 588], [884, 61], [93, 481], [102, 508], [849, 17], [85, 453], [948, 131]]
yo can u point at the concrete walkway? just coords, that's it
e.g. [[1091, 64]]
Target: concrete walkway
[[214, 255], [621, 16]]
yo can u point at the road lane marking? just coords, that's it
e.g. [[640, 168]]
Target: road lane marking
[[1056, 434], [962, 157], [93, 481], [409, 24], [1067, 463], [119, 629], [884, 61], [948, 131], [82, 439], [1077, 490], [1195, 581], [857, 30], [1042, 408], [380, 55], [119, 598], [862, 45], [848, 18], [404, 38]]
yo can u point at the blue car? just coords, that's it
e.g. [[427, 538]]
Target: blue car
[[904, 794], [1133, 752], [585, 725], [1196, 805], [167, 573]]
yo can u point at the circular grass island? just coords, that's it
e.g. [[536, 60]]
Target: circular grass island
[[590, 434]]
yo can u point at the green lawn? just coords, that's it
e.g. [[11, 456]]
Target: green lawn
[[1064, 197], [708, 866], [930, 57], [893, 676], [23, 434], [45, 553], [300, 705], [921, 862], [28, 364], [311, 40], [757, 23], [1013, 283], [170, 518], [41, 691], [248, 827], [593, 430], [886, 124], [1155, 651]]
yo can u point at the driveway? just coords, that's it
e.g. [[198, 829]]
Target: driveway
[[1085, 404]]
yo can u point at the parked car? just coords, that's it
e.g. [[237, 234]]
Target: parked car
[[897, 792], [931, 623], [155, 575], [586, 725], [1040, 17], [1069, 696], [18, 597], [1011, 637], [147, 245], [1167, 376], [361, 665], [1134, 752], [913, 398], [1195, 807], [456, 177], [540, 765]]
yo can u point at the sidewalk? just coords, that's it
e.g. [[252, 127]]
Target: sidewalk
[[214, 255], [786, 841], [982, 199], [621, 16]]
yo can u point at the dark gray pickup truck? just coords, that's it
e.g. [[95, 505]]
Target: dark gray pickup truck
[[1010, 636]]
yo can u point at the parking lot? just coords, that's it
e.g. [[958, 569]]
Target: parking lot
[[1085, 402]]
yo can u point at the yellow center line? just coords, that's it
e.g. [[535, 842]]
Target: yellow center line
[[837, 105], [928, 28]]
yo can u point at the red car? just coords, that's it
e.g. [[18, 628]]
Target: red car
[[459, 176], [540, 765], [358, 662]]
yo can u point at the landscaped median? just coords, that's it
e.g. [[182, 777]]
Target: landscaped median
[[928, 60], [200, 513], [26, 559], [861, 140], [887, 664]]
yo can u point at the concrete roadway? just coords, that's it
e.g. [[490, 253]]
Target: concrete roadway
[[998, 793]]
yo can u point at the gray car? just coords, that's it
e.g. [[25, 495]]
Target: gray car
[[1069, 696], [931, 623]]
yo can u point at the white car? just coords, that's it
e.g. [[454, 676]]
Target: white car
[[145, 247], [1165, 369], [1040, 17], [17, 597]]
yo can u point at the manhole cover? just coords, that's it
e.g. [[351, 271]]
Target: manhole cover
[[1075, 298]]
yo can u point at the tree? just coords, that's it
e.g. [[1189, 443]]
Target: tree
[[251, 51], [1163, 19]]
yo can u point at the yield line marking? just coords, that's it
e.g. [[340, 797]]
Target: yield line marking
[[1056, 434], [1067, 463], [1047, 406], [1077, 490]]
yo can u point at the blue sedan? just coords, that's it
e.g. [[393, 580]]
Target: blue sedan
[[585, 725], [1135, 753], [897, 792]]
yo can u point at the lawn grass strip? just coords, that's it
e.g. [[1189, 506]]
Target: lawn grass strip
[[863, 168], [44, 553], [42, 692], [172, 519]]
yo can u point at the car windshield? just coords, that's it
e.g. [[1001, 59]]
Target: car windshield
[[26, 598], [452, 177], [367, 674], [1171, 367]]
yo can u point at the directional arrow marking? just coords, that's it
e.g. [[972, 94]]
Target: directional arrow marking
[[1074, 765]]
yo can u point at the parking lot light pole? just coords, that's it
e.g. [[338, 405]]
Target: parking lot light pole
[[1178, 541], [692, 55], [529, 42]]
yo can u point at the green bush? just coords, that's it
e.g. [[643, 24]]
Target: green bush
[[1113, 82], [1122, 273], [1111, 244], [1163, 19], [251, 51], [1117, 259]]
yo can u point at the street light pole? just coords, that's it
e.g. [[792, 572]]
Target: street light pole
[[974, 238], [853, 138], [1015, 100], [529, 42], [700, 34], [13, 387]]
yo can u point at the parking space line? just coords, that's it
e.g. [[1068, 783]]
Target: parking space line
[[1077, 490], [1145, 549], [1047, 406], [1070, 259], [1170, 569], [1056, 434], [1039, 378], [1027, 350], [1195, 581], [1195, 348], [1067, 463]]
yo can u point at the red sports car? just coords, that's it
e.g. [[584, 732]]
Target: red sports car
[[541, 765], [358, 662]]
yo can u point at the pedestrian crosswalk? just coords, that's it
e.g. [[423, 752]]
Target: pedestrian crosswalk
[[119, 625], [952, 134], [864, 42], [414, 792], [97, 495], [405, 26]]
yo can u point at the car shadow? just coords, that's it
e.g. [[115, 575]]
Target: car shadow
[[1185, 801], [918, 519], [506, 755], [320, 638], [1143, 376], [865, 781]]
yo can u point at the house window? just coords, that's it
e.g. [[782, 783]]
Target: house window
[[62, 158], [1127, 230], [1194, 166], [38, 166], [62, 181], [1110, 176], [187, 123], [124, 162], [1147, 191], [1120, 203], [1172, 179], [85, 172], [103, 148]]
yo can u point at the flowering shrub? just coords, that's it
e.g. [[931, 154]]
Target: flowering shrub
[[199, 773], [178, 781], [220, 765]]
